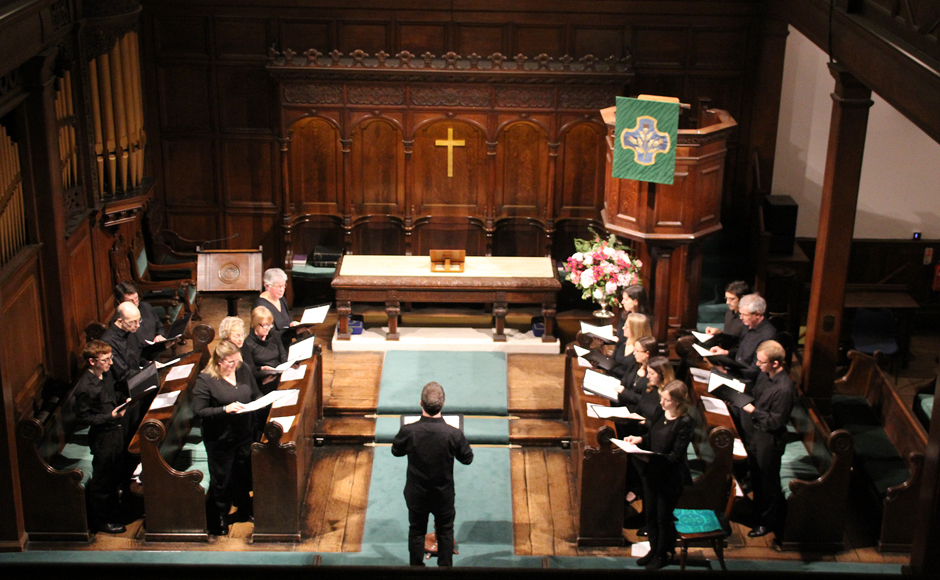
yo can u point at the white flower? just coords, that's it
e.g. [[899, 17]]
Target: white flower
[[588, 260], [610, 252], [577, 256], [598, 293], [587, 278], [610, 288]]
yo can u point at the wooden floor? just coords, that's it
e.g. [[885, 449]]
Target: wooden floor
[[541, 483]]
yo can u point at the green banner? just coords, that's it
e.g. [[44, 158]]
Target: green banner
[[645, 140]]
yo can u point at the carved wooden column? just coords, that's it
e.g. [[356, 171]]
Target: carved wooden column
[[672, 220], [848, 126]]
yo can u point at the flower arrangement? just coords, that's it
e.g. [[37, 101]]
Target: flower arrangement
[[600, 268]]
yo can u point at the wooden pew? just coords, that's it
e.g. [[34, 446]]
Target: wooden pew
[[868, 405], [599, 467], [54, 499], [174, 501], [281, 462], [814, 477]]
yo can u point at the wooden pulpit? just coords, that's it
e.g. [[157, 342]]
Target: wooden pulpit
[[672, 220], [229, 271]]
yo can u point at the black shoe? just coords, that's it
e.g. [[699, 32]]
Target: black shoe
[[112, 528], [657, 563], [758, 532], [642, 532], [645, 559], [223, 527]]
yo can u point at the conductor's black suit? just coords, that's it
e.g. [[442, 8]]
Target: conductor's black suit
[[431, 446]]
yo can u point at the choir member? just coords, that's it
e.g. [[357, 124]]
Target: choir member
[[665, 473], [733, 327], [633, 384], [222, 390], [635, 327], [275, 283], [232, 329], [765, 429], [759, 329], [263, 349], [96, 405], [125, 350], [151, 328]]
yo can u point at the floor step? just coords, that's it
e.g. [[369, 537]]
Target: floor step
[[538, 432]]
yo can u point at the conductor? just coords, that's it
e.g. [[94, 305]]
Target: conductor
[[431, 446]]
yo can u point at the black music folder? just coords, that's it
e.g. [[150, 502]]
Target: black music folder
[[729, 395], [142, 381]]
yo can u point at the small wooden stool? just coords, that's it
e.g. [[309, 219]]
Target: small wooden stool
[[430, 546], [700, 526]]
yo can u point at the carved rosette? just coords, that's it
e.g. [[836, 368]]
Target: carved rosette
[[153, 431], [29, 430], [273, 431], [313, 94], [203, 334], [525, 97], [450, 97], [376, 95], [721, 439], [841, 442]]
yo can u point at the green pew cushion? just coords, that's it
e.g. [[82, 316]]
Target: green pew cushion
[[193, 456], [875, 454], [307, 272], [796, 462], [923, 408], [76, 454]]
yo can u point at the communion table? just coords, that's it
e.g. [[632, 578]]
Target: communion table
[[499, 281]]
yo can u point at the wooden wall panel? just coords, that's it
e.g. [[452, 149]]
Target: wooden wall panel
[[536, 40], [316, 167], [379, 237], [242, 38], [248, 170], [419, 38], [245, 98], [522, 162], [444, 234], [482, 40], [189, 178], [254, 229], [518, 239], [22, 360], [579, 190], [601, 42], [724, 49], [436, 193], [303, 34], [377, 157], [82, 269], [660, 47], [370, 37], [182, 37], [200, 223], [184, 97]]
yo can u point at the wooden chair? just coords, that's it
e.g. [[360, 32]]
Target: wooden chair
[[130, 262], [703, 527], [163, 245]]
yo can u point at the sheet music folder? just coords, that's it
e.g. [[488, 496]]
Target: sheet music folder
[[150, 351], [727, 394], [454, 420], [143, 380]]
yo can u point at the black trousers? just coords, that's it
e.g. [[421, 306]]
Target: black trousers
[[107, 465], [764, 455], [660, 498], [230, 476], [444, 513]]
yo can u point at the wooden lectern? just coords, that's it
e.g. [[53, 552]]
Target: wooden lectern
[[229, 271], [672, 220]]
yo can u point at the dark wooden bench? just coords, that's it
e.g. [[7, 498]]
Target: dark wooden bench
[[599, 467], [174, 500], [889, 446], [281, 462], [816, 467], [54, 466]]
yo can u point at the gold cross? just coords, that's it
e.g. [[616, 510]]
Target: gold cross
[[450, 143]]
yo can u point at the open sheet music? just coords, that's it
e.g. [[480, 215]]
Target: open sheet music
[[315, 314], [715, 380], [263, 401], [631, 448], [604, 412], [601, 385], [605, 333]]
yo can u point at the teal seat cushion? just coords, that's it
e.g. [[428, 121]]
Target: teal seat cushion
[[76, 454], [307, 272], [923, 408], [878, 457], [696, 521], [796, 462], [193, 456]]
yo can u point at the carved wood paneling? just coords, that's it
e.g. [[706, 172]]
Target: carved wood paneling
[[436, 193], [244, 99], [242, 38], [249, 167], [184, 97], [449, 233], [84, 288], [316, 167], [254, 229], [22, 360], [190, 171], [579, 188], [522, 170], [377, 159], [181, 37]]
